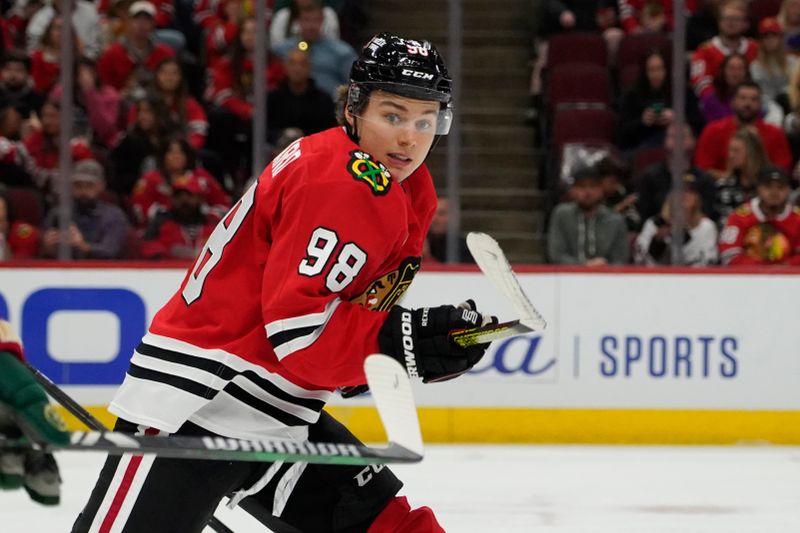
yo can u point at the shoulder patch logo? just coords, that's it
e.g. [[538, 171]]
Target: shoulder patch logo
[[363, 168]]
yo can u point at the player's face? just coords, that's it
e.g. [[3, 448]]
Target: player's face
[[774, 195], [397, 131]]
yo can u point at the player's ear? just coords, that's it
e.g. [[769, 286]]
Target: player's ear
[[348, 117]]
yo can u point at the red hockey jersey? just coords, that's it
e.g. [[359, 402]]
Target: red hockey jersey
[[750, 238], [116, 65], [285, 301], [709, 56]]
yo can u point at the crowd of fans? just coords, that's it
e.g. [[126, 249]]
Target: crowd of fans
[[742, 137], [161, 114]]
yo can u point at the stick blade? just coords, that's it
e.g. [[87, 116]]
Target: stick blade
[[391, 390], [493, 263]]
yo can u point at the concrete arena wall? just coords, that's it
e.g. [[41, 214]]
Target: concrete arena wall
[[630, 356]]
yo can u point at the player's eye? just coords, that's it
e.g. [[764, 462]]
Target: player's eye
[[423, 125], [393, 119]]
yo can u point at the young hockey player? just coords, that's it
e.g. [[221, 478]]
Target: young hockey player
[[293, 289]]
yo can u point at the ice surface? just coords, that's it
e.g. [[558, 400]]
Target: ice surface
[[514, 489]]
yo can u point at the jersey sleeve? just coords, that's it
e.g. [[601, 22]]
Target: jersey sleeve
[[330, 243]]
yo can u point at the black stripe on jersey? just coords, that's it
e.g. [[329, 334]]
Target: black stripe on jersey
[[198, 389], [308, 403], [212, 367], [282, 337], [218, 369], [268, 409]]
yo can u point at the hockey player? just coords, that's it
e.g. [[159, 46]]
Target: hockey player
[[295, 287], [25, 411]]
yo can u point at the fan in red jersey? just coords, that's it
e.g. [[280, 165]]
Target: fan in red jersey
[[295, 286]]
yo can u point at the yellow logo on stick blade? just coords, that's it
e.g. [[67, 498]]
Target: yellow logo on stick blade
[[373, 173]]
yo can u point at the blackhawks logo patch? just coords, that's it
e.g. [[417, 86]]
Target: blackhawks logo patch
[[383, 293], [363, 168]]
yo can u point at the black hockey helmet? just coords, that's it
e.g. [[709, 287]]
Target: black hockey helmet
[[405, 67]]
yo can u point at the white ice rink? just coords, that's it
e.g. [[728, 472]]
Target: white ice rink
[[514, 489]]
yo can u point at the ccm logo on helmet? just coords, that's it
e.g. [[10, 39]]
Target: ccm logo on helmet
[[417, 74], [408, 344]]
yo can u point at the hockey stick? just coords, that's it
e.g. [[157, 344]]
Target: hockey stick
[[393, 398], [493, 263], [79, 412]]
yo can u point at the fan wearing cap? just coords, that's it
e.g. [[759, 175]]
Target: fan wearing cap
[[180, 231], [585, 231], [766, 230], [129, 64], [98, 228], [773, 67], [295, 287]]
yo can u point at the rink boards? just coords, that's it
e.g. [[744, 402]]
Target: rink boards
[[689, 356]]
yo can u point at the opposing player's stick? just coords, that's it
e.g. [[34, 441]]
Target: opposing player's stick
[[493, 263], [93, 423], [393, 398]]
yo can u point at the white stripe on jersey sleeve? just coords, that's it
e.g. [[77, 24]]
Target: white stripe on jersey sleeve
[[318, 320]]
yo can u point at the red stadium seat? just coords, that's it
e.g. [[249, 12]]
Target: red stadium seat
[[589, 126], [644, 158], [27, 204], [577, 86], [761, 9], [634, 46], [133, 245], [579, 47]]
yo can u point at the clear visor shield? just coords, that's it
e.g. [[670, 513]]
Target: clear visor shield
[[421, 123]]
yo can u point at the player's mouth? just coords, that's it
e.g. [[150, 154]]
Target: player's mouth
[[399, 160]]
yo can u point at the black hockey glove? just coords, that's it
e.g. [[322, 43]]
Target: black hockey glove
[[420, 340]]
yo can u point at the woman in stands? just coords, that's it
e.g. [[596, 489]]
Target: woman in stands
[[746, 159], [717, 103], [186, 112]]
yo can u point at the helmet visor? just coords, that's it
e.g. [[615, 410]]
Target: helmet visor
[[436, 124]]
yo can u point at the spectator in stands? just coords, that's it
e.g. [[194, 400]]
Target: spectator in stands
[[773, 68], [746, 160], [18, 239], [656, 181], [331, 59], [85, 22], [766, 230], [653, 245], [186, 113], [98, 229], [285, 22], [13, 156], [177, 161], [96, 107], [712, 148], [286, 137], [708, 57], [232, 92], [716, 104], [584, 231], [181, 230], [128, 65], [613, 177], [137, 151], [45, 58], [437, 235], [221, 21], [297, 102], [16, 84], [789, 18], [43, 147], [645, 110], [655, 16]]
